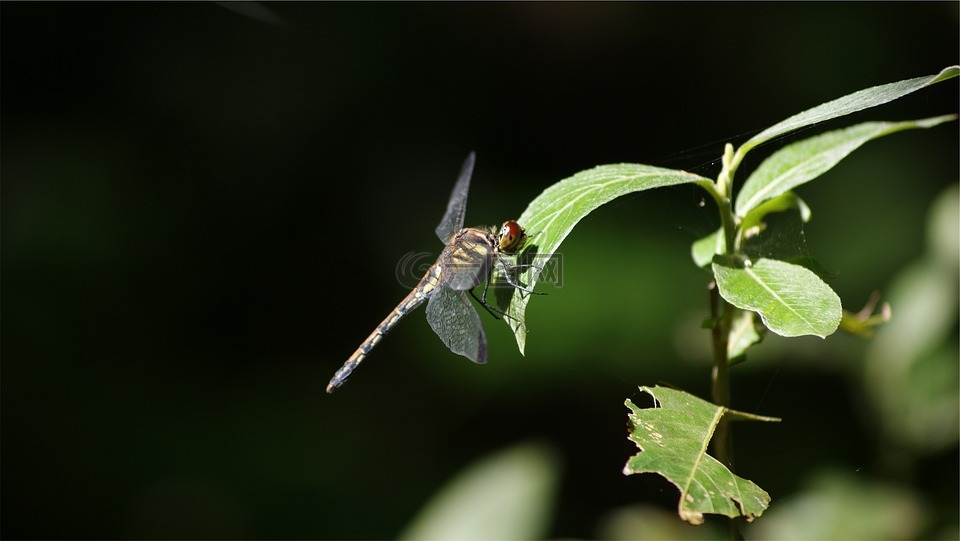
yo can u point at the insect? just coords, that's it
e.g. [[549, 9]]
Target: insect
[[467, 260]]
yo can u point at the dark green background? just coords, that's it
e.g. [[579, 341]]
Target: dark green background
[[202, 214]]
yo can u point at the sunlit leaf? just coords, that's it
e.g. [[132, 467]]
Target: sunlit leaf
[[673, 440], [791, 300], [805, 160], [851, 103], [552, 215]]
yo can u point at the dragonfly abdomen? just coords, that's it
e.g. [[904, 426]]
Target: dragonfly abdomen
[[414, 299]]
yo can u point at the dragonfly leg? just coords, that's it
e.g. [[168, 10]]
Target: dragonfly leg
[[493, 311], [507, 268], [496, 312]]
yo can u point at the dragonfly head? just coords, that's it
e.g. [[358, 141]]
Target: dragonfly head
[[511, 237]]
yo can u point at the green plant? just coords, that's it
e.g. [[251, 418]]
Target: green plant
[[750, 278]]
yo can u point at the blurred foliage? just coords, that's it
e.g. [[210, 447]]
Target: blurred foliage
[[202, 215], [912, 372], [509, 495], [839, 505]]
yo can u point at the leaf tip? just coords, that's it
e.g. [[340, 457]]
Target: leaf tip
[[947, 73]]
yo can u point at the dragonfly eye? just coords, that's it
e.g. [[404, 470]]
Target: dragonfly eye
[[511, 237]]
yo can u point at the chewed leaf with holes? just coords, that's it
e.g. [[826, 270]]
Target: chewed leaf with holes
[[553, 214], [673, 440]]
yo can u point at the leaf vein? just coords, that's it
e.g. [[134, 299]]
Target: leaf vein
[[776, 296]]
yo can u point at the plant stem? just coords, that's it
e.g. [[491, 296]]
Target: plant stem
[[720, 381], [720, 387], [720, 311], [721, 314]]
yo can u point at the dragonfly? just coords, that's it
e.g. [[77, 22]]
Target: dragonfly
[[469, 258]]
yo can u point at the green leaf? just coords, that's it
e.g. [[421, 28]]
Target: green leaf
[[851, 103], [673, 440], [781, 203], [805, 160], [743, 334], [703, 250], [508, 495], [552, 215], [791, 300]]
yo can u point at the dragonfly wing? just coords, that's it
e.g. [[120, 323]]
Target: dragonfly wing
[[457, 206], [457, 323]]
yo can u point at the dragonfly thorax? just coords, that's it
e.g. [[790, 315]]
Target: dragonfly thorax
[[467, 260]]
